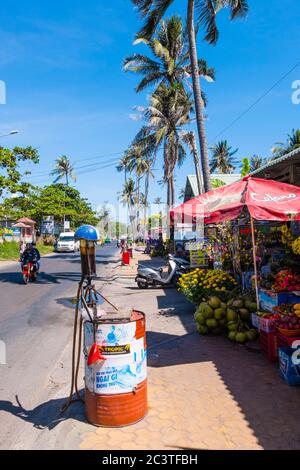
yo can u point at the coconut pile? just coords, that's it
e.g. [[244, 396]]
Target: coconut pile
[[233, 318]]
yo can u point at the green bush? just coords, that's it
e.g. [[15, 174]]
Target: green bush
[[9, 250]]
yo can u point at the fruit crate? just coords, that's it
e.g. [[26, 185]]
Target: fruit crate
[[286, 341], [255, 320], [267, 325], [269, 299], [289, 365], [268, 345]]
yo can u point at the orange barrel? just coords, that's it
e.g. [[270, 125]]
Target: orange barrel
[[125, 257], [116, 388]]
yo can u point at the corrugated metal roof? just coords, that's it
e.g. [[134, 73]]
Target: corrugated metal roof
[[272, 163], [191, 188]]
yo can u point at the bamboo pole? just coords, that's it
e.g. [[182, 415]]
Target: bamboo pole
[[254, 260]]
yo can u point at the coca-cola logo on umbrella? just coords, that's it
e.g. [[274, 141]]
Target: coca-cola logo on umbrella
[[271, 198]]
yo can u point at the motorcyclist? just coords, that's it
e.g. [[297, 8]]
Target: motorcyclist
[[31, 255]]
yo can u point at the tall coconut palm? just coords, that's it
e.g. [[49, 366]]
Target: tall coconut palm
[[292, 143], [189, 138], [222, 157], [124, 164], [170, 63], [63, 169], [128, 198], [153, 12], [165, 116]]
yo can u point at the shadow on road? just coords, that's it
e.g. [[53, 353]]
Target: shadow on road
[[47, 415]]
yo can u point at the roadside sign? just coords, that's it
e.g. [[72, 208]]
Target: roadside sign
[[198, 257]]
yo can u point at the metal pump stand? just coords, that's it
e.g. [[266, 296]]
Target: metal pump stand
[[86, 298]]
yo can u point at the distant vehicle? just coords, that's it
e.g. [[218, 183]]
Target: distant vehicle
[[107, 240], [66, 242]]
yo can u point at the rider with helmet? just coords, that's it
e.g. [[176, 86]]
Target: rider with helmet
[[31, 255]]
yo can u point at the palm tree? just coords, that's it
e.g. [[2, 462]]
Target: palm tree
[[63, 169], [124, 164], [171, 62], [128, 198], [292, 143], [256, 162], [153, 12], [189, 138], [157, 201], [167, 113], [222, 159]]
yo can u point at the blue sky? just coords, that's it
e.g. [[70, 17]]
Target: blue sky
[[67, 93]]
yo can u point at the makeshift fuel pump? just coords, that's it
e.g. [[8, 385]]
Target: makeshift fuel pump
[[114, 348]]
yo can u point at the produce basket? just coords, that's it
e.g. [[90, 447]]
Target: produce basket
[[290, 333], [268, 345]]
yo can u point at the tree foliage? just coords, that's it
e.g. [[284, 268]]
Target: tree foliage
[[58, 200], [10, 173]]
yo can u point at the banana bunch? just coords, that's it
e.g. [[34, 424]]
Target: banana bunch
[[296, 246], [297, 310]]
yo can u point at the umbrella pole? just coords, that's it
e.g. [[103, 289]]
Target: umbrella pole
[[254, 260]]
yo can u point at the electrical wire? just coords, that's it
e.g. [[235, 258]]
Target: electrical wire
[[258, 100]]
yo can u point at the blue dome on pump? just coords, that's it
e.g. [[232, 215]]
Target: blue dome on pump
[[87, 232]]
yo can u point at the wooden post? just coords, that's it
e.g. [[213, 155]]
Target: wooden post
[[254, 261]]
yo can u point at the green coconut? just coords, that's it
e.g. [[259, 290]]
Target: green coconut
[[211, 323], [238, 303], [244, 313], [219, 313], [231, 314], [202, 329], [251, 335], [231, 335], [214, 302], [232, 326], [223, 322], [241, 337], [207, 311]]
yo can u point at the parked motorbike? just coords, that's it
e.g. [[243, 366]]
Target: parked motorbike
[[29, 272], [147, 276]]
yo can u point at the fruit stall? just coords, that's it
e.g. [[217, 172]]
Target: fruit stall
[[258, 236]]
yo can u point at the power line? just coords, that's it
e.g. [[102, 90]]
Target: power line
[[256, 101]]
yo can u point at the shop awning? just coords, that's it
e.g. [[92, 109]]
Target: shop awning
[[265, 200]]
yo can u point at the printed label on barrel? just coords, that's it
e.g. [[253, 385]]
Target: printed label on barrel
[[125, 365]]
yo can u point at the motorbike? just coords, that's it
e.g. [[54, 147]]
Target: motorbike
[[29, 272], [147, 276]]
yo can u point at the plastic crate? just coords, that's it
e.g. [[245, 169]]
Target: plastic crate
[[289, 365], [268, 345], [293, 298], [266, 325], [269, 299], [255, 320], [286, 341]]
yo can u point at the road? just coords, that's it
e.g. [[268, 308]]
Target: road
[[36, 323]]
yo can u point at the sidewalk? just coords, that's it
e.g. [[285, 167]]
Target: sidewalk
[[204, 392]]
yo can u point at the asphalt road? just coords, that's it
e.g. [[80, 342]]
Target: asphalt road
[[36, 325]]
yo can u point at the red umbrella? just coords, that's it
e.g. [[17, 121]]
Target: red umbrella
[[265, 199]]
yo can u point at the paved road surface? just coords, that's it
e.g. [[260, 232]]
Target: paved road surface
[[36, 323]]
